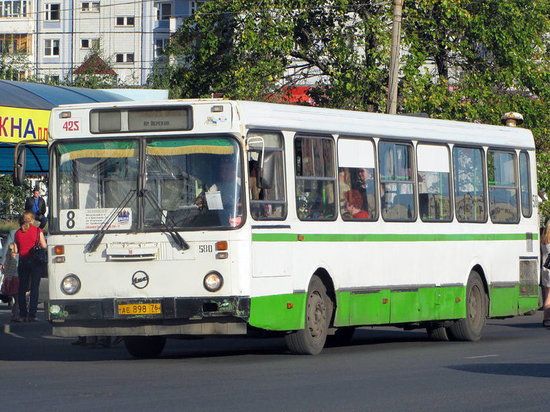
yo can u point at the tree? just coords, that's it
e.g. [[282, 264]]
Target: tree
[[13, 62], [12, 198], [465, 60], [242, 49]]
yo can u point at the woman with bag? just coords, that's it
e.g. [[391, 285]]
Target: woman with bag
[[29, 242]]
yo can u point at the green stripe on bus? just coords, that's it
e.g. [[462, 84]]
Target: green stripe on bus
[[386, 306], [291, 237]]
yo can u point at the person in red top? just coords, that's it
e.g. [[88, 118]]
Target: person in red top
[[29, 270], [354, 202]]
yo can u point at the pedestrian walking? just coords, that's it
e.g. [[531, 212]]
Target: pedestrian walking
[[30, 269]]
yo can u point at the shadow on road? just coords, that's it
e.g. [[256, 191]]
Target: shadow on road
[[536, 370]]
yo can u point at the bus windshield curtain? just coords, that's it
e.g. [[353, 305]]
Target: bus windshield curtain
[[190, 146]]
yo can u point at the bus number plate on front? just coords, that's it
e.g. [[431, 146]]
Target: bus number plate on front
[[139, 309]]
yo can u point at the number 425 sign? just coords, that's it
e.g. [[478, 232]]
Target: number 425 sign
[[71, 125]]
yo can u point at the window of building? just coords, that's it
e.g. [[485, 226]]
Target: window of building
[[15, 43], [51, 79], [195, 5], [51, 47], [160, 44], [315, 178], [525, 184], [469, 182], [84, 43], [356, 179], [90, 6], [434, 182], [503, 192], [53, 11], [267, 185], [124, 57], [164, 11], [125, 21], [9, 44], [397, 183], [13, 8]]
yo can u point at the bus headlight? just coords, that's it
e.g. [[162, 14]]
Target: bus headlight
[[70, 284], [213, 281]]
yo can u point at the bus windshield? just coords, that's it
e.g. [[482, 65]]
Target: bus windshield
[[186, 183]]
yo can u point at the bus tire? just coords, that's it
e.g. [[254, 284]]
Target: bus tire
[[311, 339], [470, 328], [143, 347], [438, 333]]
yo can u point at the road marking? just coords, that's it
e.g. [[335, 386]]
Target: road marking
[[481, 356]]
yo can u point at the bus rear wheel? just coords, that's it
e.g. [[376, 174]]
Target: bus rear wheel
[[311, 339], [144, 347], [438, 333], [470, 328]]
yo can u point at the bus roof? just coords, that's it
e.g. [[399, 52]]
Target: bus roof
[[271, 116]]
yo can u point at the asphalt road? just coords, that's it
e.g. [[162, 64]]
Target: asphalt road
[[383, 369]]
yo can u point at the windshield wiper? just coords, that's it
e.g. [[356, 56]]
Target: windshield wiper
[[170, 227], [98, 237]]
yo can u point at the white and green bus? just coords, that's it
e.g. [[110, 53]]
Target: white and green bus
[[216, 217]]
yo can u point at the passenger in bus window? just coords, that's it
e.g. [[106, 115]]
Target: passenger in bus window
[[354, 203], [364, 183], [545, 274], [343, 183]]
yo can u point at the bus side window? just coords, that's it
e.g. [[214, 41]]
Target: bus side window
[[267, 203], [503, 192], [315, 178], [397, 183], [434, 198], [470, 204], [525, 184], [356, 173]]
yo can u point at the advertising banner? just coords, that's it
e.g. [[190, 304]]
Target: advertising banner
[[18, 124]]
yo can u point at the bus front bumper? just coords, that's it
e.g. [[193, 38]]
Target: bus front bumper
[[148, 317]]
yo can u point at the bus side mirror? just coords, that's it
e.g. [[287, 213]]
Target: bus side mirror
[[267, 171], [19, 164]]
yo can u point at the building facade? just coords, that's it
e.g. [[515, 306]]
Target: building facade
[[52, 38]]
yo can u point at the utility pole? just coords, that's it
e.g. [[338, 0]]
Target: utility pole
[[394, 57]]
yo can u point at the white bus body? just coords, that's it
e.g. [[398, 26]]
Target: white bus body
[[446, 235]]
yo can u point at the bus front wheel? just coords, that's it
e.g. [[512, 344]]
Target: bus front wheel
[[469, 328], [311, 339], [143, 347]]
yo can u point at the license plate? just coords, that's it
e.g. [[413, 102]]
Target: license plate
[[139, 309]]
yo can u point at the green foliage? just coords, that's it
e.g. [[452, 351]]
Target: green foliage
[[11, 64], [12, 198], [543, 174], [466, 60], [241, 49]]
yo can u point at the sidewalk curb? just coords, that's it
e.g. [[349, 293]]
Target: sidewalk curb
[[36, 329]]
